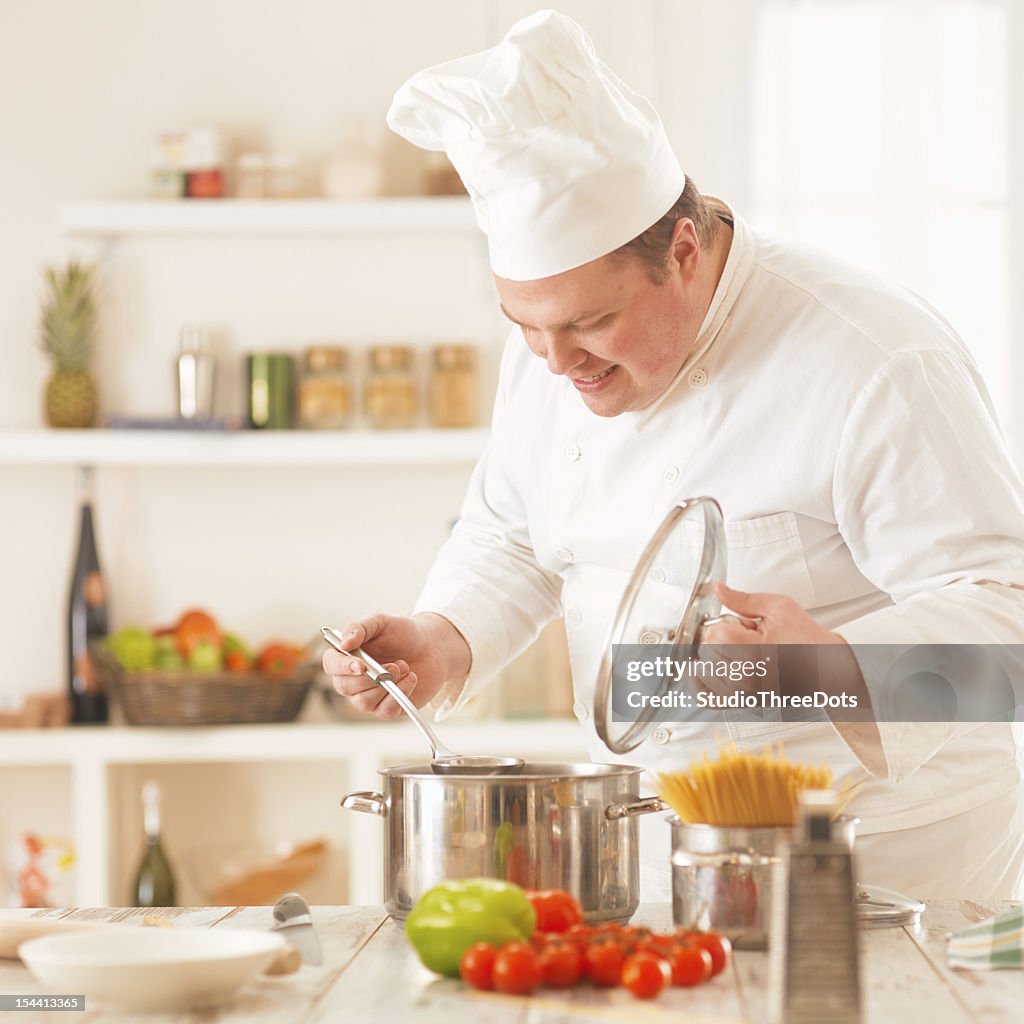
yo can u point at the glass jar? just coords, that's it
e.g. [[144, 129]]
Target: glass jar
[[453, 390], [251, 176], [391, 398], [269, 377], [325, 392]]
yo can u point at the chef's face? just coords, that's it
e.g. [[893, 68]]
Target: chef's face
[[618, 336]]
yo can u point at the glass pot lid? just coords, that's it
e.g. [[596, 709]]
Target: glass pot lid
[[669, 598], [882, 908]]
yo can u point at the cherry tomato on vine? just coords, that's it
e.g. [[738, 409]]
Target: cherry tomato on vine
[[477, 965], [632, 934], [517, 969], [691, 965], [645, 974], [658, 944], [718, 946], [604, 963], [560, 965]]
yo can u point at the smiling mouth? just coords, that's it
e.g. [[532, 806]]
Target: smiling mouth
[[597, 376]]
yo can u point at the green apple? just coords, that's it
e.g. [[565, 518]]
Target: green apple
[[205, 657]]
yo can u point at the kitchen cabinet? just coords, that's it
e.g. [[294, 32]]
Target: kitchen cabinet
[[302, 770]]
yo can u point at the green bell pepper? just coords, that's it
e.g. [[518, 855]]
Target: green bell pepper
[[451, 917]]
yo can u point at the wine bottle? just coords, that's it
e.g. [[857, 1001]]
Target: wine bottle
[[87, 617], [154, 881]]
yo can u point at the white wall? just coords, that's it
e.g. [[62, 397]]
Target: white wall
[[85, 87]]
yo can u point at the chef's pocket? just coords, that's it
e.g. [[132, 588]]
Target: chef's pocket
[[766, 554]]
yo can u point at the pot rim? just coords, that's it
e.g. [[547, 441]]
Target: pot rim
[[534, 771]]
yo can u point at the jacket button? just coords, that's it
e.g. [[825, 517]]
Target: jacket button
[[648, 636], [698, 378], [574, 616], [659, 575], [581, 711], [565, 554], [661, 735], [572, 452], [670, 475]]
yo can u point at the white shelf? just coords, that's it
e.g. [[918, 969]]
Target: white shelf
[[241, 448], [330, 741], [119, 217]]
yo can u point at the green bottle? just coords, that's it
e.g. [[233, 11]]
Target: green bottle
[[154, 882]]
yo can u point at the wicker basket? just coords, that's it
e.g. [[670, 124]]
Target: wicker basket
[[210, 698]]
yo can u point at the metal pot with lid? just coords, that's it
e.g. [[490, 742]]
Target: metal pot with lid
[[551, 826]]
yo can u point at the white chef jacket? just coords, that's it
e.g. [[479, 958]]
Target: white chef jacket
[[846, 433]]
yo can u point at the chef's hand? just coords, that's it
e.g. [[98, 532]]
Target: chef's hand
[[422, 652], [775, 619], [773, 628], [772, 618]]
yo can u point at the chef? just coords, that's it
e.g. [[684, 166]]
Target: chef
[[662, 348]]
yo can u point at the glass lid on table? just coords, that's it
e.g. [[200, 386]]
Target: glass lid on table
[[669, 599]]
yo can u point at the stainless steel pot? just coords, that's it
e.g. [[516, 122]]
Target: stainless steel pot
[[553, 826], [722, 877]]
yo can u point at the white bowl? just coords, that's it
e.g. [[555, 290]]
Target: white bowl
[[152, 968]]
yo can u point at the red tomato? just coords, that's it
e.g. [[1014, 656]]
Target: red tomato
[[691, 965], [560, 965], [477, 965], [604, 963], [660, 945], [556, 910], [718, 946], [579, 933], [517, 969], [633, 934], [645, 974]]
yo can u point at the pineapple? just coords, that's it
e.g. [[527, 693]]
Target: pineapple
[[67, 330]]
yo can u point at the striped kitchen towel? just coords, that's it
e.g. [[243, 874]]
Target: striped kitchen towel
[[993, 943]]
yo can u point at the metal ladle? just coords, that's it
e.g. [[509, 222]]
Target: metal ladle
[[443, 761]]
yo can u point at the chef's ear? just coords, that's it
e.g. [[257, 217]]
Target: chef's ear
[[685, 247]]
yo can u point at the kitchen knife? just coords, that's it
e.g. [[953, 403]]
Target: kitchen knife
[[295, 923]]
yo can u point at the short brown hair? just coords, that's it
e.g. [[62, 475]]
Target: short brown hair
[[651, 247]]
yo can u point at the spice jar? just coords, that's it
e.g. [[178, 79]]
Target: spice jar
[[325, 392], [204, 164], [391, 399], [269, 378], [453, 386]]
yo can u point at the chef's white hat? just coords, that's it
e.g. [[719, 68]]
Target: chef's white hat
[[563, 161]]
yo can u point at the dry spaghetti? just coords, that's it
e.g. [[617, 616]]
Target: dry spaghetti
[[746, 790]]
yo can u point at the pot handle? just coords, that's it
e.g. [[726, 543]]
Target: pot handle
[[365, 801], [649, 805]]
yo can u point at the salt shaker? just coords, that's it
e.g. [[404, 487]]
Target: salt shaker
[[196, 371]]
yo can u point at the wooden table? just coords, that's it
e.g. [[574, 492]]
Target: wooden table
[[371, 974]]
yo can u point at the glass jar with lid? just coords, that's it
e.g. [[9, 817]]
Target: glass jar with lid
[[453, 386], [391, 396], [325, 391]]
